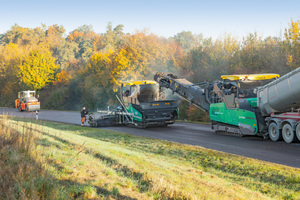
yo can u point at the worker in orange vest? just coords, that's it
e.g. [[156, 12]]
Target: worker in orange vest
[[83, 113]]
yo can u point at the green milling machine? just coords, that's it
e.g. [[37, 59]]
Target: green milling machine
[[266, 105]]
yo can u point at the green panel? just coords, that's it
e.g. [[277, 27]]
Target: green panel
[[247, 118], [137, 116], [252, 102], [219, 113]]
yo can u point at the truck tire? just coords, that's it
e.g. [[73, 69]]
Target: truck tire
[[288, 133], [298, 131], [274, 132]]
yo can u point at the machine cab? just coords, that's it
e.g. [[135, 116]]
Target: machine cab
[[24, 96], [240, 89]]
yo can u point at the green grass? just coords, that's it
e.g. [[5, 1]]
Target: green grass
[[89, 163]]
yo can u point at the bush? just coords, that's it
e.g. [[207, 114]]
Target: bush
[[56, 99], [191, 112], [183, 110], [194, 113]]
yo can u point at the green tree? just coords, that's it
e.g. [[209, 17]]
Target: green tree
[[64, 53], [186, 40], [87, 42], [113, 37]]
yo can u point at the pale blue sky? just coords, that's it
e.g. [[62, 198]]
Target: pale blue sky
[[164, 18]]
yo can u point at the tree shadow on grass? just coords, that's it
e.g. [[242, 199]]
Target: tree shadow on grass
[[77, 189], [143, 183]]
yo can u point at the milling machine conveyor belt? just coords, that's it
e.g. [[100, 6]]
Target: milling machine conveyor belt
[[196, 94]]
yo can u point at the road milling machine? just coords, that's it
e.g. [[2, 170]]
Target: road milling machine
[[253, 104], [141, 105], [27, 101]]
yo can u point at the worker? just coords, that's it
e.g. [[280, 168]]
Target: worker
[[91, 117], [83, 113]]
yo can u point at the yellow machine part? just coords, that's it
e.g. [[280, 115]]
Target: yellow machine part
[[143, 82], [250, 77]]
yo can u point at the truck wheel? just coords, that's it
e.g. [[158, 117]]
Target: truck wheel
[[288, 133], [274, 132], [298, 131]]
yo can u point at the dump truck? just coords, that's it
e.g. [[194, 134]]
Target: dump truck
[[266, 105], [141, 105], [27, 101]]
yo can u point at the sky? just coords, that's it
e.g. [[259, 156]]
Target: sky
[[166, 18]]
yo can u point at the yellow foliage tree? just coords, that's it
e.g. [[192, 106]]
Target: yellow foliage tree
[[292, 44], [11, 57], [122, 67], [37, 69], [293, 32], [99, 68], [140, 57], [96, 80]]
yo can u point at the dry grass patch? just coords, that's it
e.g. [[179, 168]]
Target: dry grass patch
[[22, 175]]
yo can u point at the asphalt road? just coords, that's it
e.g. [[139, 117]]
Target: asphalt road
[[194, 134]]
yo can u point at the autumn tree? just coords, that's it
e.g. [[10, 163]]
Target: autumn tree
[[141, 56], [96, 80], [87, 42], [37, 69], [53, 36], [62, 78], [23, 36], [292, 44], [11, 57]]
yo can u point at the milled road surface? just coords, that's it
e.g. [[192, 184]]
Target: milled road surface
[[194, 134]]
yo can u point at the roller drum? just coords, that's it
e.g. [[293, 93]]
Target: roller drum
[[32, 108]]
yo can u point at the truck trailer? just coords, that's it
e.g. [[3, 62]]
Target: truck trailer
[[266, 105]]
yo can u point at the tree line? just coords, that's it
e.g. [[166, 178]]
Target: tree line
[[84, 67]]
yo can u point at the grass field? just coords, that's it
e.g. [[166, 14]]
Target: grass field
[[46, 160]]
